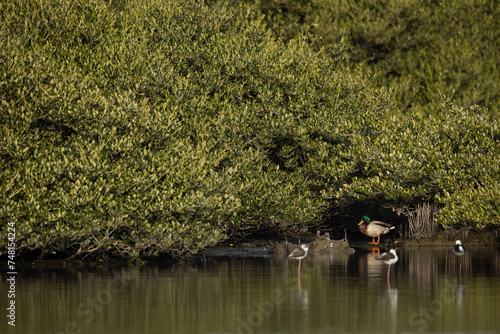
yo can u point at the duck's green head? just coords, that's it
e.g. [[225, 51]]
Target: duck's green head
[[364, 220]]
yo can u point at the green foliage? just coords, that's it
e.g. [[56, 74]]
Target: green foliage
[[162, 127], [421, 48], [146, 127], [450, 159]]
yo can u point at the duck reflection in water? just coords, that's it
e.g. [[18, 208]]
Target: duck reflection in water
[[375, 249]]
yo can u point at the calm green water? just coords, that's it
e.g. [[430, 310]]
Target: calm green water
[[335, 294]]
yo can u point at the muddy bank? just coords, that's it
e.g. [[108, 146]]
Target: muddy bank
[[319, 244], [486, 237], [276, 245]]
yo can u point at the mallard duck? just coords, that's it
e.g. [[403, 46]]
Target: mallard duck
[[389, 258], [374, 229], [458, 248]]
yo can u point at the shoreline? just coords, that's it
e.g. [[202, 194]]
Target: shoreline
[[276, 246]]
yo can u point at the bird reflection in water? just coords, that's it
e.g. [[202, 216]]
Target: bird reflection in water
[[373, 250], [459, 250], [390, 298], [390, 295], [299, 253]]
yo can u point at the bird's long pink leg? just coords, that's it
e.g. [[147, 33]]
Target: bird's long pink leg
[[388, 273]]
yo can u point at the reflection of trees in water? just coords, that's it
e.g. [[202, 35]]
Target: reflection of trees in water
[[425, 266], [497, 262], [256, 295]]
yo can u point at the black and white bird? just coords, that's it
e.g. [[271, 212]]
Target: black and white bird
[[458, 248], [298, 253], [389, 258]]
